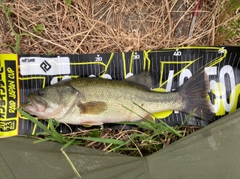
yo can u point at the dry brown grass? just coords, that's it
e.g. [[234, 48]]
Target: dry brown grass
[[139, 146], [112, 26]]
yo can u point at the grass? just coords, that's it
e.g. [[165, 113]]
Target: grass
[[66, 26], [7, 12], [229, 29], [144, 138]]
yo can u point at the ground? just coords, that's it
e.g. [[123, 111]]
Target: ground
[[71, 26]]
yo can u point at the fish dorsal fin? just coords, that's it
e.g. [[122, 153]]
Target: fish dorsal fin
[[144, 78], [92, 107]]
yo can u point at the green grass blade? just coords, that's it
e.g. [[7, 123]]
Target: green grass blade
[[125, 143], [109, 141], [67, 144], [39, 124], [54, 133], [70, 162], [133, 112], [168, 127], [42, 133], [42, 140], [188, 117]]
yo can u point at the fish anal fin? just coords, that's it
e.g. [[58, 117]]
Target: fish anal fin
[[149, 118], [92, 107]]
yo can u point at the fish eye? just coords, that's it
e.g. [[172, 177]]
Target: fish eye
[[40, 92]]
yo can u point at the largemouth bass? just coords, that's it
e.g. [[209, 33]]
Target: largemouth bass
[[94, 101]]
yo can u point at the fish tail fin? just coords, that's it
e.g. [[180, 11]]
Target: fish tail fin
[[195, 97]]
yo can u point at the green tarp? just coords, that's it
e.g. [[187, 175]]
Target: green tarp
[[212, 152]]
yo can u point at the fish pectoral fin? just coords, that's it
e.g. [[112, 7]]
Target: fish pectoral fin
[[91, 123], [93, 107]]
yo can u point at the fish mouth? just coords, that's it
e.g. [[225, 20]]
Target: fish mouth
[[34, 106]]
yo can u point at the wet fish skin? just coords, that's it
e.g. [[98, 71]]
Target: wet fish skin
[[94, 101]]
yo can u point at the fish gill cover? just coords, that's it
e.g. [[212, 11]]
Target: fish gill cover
[[21, 75]]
